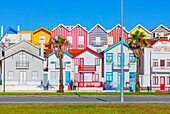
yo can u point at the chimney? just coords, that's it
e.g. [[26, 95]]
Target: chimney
[[6, 42], [18, 34], [42, 41], [2, 31], [51, 28]]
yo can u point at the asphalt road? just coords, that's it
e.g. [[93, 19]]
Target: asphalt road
[[85, 99]]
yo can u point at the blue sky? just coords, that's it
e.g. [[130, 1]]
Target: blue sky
[[32, 14]]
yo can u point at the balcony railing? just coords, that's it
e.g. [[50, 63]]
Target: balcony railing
[[88, 84], [87, 68], [127, 66], [22, 64], [160, 69], [97, 42]]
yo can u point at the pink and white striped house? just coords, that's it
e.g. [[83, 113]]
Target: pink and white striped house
[[115, 33], [76, 35]]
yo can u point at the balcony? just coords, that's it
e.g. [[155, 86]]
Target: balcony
[[160, 69], [97, 43], [127, 66], [89, 84], [22, 64], [87, 68]]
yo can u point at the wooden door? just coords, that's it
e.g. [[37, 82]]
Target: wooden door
[[162, 83]]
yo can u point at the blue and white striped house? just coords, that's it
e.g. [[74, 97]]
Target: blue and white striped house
[[112, 66]]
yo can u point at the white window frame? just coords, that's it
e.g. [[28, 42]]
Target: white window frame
[[81, 42], [10, 74], [34, 76], [70, 39]]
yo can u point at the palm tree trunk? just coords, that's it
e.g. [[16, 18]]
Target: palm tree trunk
[[61, 87], [137, 86]]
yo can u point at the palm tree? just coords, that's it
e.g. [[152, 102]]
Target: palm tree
[[59, 42], [137, 42]]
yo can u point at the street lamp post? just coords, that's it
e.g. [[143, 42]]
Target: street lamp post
[[122, 77]]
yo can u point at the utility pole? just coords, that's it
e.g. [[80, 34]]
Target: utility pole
[[122, 77]]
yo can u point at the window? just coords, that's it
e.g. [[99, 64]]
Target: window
[[138, 27], [42, 39], [26, 36], [76, 77], [78, 27], [97, 61], [10, 75], [97, 40], [22, 61], [53, 75], [76, 61], [162, 63], [118, 27], [80, 40], [60, 26], [168, 80], [155, 80], [110, 40], [34, 75], [109, 57], [69, 39], [131, 58], [95, 77], [155, 62], [109, 76], [168, 62]]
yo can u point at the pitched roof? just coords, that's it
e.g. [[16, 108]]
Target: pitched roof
[[9, 30], [25, 50], [139, 25], [63, 51], [117, 26], [42, 28], [74, 51], [124, 43], [99, 26], [70, 29], [158, 27], [88, 50], [21, 42], [153, 41]]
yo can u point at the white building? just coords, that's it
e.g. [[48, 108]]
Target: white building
[[23, 67], [88, 70], [156, 65], [112, 66], [54, 70]]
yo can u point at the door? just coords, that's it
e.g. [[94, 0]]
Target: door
[[81, 84], [162, 83], [67, 78], [119, 80], [22, 77], [119, 59], [45, 79], [132, 80]]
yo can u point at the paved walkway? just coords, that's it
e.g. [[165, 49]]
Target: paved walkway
[[85, 99]]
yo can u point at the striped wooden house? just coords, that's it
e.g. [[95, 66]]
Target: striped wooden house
[[98, 38], [159, 31], [114, 35], [76, 35]]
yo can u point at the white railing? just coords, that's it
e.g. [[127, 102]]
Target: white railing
[[160, 69], [94, 42]]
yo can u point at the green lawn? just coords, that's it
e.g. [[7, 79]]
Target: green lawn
[[85, 108], [81, 93]]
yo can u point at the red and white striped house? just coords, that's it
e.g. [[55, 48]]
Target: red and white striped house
[[115, 33], [76, 35], [88, 70]]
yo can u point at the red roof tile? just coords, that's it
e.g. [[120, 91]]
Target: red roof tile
[[74, 51], [47, 52]]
